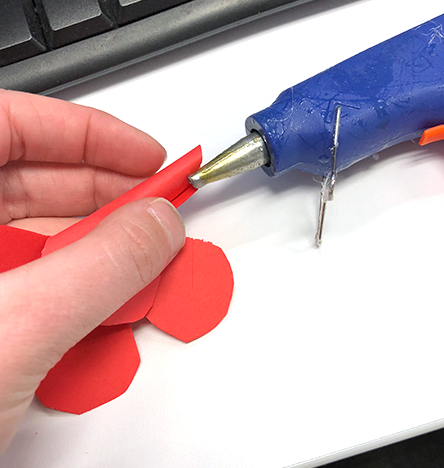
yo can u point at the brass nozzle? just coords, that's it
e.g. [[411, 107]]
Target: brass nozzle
[[247, 154]]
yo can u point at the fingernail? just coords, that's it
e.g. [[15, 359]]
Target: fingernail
[[170, 220]]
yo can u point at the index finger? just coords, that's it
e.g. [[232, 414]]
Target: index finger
[[37, 128]]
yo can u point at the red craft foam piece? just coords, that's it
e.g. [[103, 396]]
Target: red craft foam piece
[[183, 197], [170, 183], [18, 247], [137, 307], [194, 293], [96, 370]]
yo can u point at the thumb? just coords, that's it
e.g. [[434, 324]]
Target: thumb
[[57, 300], [50, 304]]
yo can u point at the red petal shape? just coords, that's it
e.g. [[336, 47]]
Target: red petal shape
[[170, 183], [183, 197], [194, 293], [18, 247], [137, 307], [96, 370]]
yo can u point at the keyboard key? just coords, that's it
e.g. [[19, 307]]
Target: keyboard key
[[132, 10], [69, 21], [20, 38]]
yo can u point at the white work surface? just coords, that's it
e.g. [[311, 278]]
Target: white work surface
[[324, 352]]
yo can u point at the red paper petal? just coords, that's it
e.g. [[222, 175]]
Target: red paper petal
[[194, 293], [170, 183], [137, 307], [98, 369], [183, 197], [18, 247]]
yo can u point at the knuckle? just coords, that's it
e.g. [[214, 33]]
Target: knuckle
[[144, 248]]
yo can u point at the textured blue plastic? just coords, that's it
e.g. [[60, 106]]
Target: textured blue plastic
[[389, 94]]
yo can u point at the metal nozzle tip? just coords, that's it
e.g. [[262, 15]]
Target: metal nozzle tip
[[196, 181], [247, 154]]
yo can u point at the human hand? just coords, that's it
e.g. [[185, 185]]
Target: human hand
[[59, 160]]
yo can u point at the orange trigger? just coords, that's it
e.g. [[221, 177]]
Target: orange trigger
[[432, 134]]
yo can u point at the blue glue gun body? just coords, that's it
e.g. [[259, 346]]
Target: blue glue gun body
[[388, 94]]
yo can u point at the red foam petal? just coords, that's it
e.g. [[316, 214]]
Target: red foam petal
[[18, 247], [96, 370], [137, 307], [183, 197], [170, 183], [194, 293]]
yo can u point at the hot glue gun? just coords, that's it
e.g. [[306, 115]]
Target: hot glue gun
[[388, 94]]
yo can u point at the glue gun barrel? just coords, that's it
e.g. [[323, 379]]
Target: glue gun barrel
[[247, 154], [389, 93]]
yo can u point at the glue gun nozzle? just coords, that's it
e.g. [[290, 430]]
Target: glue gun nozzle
[[247, 154]]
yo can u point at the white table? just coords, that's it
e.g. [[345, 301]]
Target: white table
[[324, 352]]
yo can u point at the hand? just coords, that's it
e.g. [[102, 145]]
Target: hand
[[59, 160]]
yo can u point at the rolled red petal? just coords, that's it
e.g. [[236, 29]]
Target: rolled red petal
[[170, 183]]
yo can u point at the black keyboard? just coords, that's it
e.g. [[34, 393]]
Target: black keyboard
[[48, 45]]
